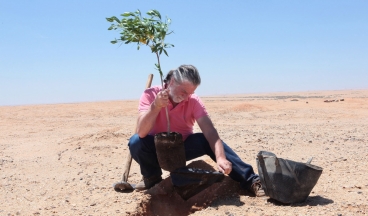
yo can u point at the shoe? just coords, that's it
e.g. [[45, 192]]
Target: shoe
[[257, 189], [147, 183]]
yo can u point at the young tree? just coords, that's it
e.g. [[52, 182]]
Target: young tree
[[149, 31]]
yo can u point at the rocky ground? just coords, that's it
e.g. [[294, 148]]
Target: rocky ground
[[62, 159]]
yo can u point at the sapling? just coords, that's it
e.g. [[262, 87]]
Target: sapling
[[144, 31]]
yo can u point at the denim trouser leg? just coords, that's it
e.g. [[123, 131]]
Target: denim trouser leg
[[143, 151]]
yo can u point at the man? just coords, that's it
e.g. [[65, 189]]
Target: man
[[184, 109]]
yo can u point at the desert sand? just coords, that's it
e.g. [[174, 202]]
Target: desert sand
[[62, 159]]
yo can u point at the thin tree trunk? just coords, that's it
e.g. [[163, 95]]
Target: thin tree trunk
[[162, 83]]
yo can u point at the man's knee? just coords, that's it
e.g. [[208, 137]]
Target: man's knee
[[134, 140], [137, 144], [134, 144]]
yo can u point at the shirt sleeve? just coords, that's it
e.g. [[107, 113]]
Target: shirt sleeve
[[146, 99], [199, 110]]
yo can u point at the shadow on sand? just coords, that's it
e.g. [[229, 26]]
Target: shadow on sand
[[311, 201]]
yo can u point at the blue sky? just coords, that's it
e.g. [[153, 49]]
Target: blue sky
[[60, 51]]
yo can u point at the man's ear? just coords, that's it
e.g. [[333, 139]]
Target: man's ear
[[167, 84], [171, 82]]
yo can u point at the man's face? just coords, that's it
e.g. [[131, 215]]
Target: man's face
[[180, 92]]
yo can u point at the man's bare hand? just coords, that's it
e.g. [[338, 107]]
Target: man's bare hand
[[162, 99], [224, 166]]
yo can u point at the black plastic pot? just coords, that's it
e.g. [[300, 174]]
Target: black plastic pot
[[190, 181], [285, 180], [170, 150]]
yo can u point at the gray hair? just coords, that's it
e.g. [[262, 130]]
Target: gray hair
[[184, 73]]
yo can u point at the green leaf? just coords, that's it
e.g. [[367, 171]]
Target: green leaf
[[126, 14], [165, 53], [150, 13], [153, 49], [157, 13], [138, 12], [168, 45], [110, 19], [116, 19]]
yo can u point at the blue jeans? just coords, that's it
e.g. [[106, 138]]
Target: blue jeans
[[143, 151]]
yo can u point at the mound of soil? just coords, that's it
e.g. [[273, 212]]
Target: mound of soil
[[162, 199]]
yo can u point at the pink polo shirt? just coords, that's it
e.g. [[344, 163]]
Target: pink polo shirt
[[182, 117]]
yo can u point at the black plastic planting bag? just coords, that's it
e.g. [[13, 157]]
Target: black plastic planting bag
[[285, 180], [170, 150], [190, 181]]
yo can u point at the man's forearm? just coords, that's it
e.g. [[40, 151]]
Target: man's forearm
[[216, 144], [218, 149], [147, 120]]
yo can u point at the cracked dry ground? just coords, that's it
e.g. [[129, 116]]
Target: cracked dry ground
[[62, 159]]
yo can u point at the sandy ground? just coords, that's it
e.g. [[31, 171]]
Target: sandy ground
[[62, 159]]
